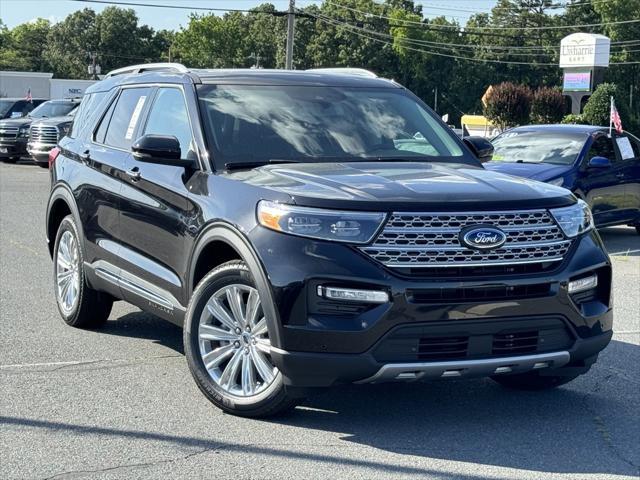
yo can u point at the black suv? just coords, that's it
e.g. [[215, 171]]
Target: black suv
[[316, 228]]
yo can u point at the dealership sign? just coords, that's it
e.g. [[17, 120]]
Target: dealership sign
[[584, 50]]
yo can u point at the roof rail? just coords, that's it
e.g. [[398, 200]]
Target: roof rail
[[345, 71], [148, 67]]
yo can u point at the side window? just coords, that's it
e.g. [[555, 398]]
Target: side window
[[169, 116], [635, 144], [86, 109], [602, 147], [124, 117], [102, 129]]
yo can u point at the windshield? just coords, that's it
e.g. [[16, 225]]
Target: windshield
[[538, 147], [5, 105], [248, 123], [53, 109]]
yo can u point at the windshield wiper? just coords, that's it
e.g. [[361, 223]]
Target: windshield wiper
[[259, 163]]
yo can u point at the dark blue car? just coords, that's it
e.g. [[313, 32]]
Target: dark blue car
[[602, 170]]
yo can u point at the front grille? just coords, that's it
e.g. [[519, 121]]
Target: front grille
[[474, 339], [43, 134], [8, 132], [439, 348], [419, 240], [515, 343]]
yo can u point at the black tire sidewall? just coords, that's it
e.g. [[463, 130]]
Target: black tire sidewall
[[258, 405]]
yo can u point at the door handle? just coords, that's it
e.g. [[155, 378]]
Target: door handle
[[85, 157], [134, 174]]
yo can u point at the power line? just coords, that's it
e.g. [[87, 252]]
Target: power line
[[358, 31], [183, 7], [453, 47], [471, 29]]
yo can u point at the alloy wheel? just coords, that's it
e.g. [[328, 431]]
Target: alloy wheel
[[67, 272], [234, 341]]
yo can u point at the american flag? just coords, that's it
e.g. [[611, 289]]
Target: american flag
[[615, 118], [29, 97]]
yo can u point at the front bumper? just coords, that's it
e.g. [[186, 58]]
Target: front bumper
[[419, 335], [40, 151], [17, 148]]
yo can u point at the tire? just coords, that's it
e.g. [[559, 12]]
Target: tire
[[230, 349], [42, 165], [533, 381], [88, 308], [10, 159]]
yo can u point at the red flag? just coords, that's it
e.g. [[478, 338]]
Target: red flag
[[615, 118]]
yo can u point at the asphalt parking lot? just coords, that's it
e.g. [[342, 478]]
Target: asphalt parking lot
[[120, 402]]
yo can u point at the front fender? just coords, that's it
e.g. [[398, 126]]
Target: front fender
[[234, 238]]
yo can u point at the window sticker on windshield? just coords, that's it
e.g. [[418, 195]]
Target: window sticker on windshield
[[624, 145], [134, 117]]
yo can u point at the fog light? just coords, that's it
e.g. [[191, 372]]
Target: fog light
[[583, 284], [353, 295]]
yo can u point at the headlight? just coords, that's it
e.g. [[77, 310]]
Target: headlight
[[558, 182], [64, 130], [23, 131], [339, 226], [575, 219]]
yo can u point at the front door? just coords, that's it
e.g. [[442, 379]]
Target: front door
[[156, 213], [604, 188]]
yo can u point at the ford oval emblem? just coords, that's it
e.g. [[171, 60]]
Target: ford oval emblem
[[482, 238]]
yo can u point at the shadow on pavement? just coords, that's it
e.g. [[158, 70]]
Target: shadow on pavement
[[147, 327]]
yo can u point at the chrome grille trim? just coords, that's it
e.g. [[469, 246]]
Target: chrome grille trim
[[423, 240], [43, 134], [8, 132]]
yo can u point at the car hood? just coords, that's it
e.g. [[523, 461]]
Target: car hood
[[536, 171], [402, 185], [54, 121], [16, 122]]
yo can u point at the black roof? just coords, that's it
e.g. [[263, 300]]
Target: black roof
[[244, 77], [559, 127]]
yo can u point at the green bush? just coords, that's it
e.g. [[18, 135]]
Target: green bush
[[547, 105], [598, 108], [575, 119], [509, 105]]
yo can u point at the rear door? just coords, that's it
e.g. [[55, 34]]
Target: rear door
[[156, 212], [629, 151], [106, 155], [604, 188]]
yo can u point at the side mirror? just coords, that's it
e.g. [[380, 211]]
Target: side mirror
[[599, 162], [160, 149], [480, 147]]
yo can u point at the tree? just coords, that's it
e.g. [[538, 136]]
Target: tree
[[509, 105], [21, 48], [547, 105], [598, 108]]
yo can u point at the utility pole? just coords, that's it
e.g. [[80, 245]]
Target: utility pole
[[291, 19], [94, 68]]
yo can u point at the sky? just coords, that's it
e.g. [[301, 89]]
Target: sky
[[15, 12]]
